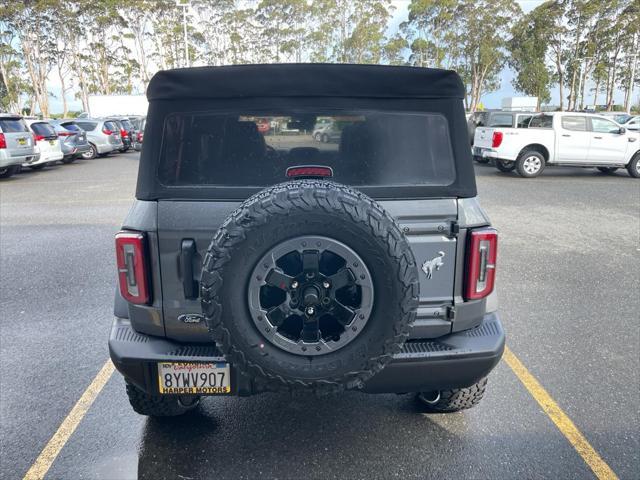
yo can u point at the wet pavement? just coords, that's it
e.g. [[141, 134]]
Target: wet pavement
[[568, 273]]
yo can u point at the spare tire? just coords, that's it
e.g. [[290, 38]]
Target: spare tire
[[309, 285]]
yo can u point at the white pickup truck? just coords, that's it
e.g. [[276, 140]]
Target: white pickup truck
[[568, 139]]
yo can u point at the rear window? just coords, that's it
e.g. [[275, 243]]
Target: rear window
[[523, 121], [126, 124], [87, 126], [13, 125], [501, 120], [43, 129], [576, 124], [71, 127], [541, 121], [113, 126], [361, 148]]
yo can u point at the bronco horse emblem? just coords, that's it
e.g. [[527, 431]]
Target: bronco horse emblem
[[429, 266]]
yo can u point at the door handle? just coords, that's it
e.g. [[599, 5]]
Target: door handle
[[187, 253], [599, 138], [566, 135]]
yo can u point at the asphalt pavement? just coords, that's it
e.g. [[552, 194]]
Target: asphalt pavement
[[568, 276]]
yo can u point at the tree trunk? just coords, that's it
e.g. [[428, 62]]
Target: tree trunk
[[63, 89]]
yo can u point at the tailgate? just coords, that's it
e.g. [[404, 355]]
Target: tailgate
[[483, 137], [426, 223]]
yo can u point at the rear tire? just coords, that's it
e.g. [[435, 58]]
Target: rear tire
[[6, 172], [530, 164], [634, 166], [91, 154], [481, 160], [38, 167], [68, 160], [607, 170], [505, 166], [454, 400], [157, 405]]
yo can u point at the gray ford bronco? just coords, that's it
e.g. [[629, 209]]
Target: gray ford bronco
[[258, 258]]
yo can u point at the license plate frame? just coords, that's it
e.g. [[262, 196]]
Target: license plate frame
[[194, 378]]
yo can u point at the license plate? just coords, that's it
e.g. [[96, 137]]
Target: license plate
[[52, 142], [22, 141], [194, 378]]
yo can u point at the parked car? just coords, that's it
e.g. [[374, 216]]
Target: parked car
[[139, 134], [73, 140], [618, 117], [633, 123], [47, 144], [126, 129], [17, 144], [103, 136], [496, 118], [367, 267], [563, 139], [326, 133]]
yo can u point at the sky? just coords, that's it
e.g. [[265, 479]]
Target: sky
[[490, 100]]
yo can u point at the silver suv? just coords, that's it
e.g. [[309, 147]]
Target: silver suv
[[103, 136], [16, 144]]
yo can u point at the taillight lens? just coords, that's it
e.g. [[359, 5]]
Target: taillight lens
[[140, 137], [38, 138], [3, 141], [309, 171], [106, 131], [482, 250], [132, 267], [123, 133], [496, 141]]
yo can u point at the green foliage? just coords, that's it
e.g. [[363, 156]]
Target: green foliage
[[115, 46]]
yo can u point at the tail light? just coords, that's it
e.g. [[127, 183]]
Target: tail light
[[309, 171], [106, 131], [38, 138], [3, 141], [123, 133], [132, 267], [140, 136], [482, 249], [496, 141], [64, 134]]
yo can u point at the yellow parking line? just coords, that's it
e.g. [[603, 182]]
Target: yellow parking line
[[48, 455], [561, 420]]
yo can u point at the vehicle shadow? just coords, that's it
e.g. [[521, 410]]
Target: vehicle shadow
[[282, 436]]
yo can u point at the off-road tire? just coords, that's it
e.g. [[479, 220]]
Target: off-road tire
[[633, 167], [456, 399], [607, 170], [506, 167], [297, 208], [521, 167], [6, 172], [156, 405]]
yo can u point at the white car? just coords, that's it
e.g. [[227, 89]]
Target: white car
[[633, 124], [47, 144], [563, 139]]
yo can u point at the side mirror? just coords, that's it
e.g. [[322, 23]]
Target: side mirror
[[622, 130]]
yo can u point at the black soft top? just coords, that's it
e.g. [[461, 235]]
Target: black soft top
[[303, 88], [305, 80]]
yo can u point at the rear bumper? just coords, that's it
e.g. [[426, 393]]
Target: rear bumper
[[484, 153], [456, 360]]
